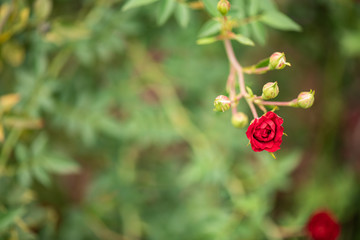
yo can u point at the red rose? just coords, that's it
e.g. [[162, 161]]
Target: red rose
[[323, 226], [265, 133]]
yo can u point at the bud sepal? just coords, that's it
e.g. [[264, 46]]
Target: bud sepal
[[278, 61], [223, 7], [222, 103], [270, 90], [306, 99]]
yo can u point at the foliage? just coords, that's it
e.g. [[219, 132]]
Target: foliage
[[107, 129]]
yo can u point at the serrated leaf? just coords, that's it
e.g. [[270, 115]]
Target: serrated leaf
[[211, 7], [211, 27], [166, 9], [7, 218], [182, 15], [279, 21], [136, 3], [243, 40], [258, 32]]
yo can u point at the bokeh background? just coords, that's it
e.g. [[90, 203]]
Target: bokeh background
[[114, 137]]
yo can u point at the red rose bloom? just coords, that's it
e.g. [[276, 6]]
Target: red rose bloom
[[323, 226], [265, 133]]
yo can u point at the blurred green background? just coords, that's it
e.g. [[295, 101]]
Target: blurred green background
[[114, 136]]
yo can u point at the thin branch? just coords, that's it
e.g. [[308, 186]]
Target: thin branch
[[253, 70], [288, 104], [231, 55], [231, 86], [238, 68]]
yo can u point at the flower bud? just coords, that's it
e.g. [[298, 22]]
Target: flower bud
[[278, 61], [223, 7], [270, 90], [306, 99], [239, 120], [221, 103]]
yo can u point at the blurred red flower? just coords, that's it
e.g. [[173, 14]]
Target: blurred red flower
[[323, 226]]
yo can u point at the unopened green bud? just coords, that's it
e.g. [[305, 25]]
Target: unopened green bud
[[223, 7], [222, 103], [278, 61], [306, 99], [270, 90], [239, 120]]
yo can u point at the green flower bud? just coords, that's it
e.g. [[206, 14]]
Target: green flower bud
[[223, 7], [278, 61], [240, 120], [222, 103], [270, 90], [306, 99]]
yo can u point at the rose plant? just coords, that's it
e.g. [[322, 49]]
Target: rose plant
[[265, 132]]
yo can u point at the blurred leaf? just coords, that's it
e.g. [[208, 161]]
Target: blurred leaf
[[60, 165], [7, 102], [42, 8], [166, 9], [279, 21], [182, 14], [23, 123], [61, 33], [41, 175], [13, 53], [2, 134], [243, 40], [211, 27], [350, 43], [203, 41], [136, 3], [258, 32], [253, 7], [38, 146], [9, 217], [211, 7]]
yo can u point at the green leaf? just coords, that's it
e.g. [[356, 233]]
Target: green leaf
[[258, 32], [211, 27], [41, 175], [243, 40], [280, 21], [136, 3], [263, 63], [38, 145], [182, 15], [8, 218], [166, 9], [203, 41], [21, 153], [250, 92], [253, 7], [211, 7], [60, 165]]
